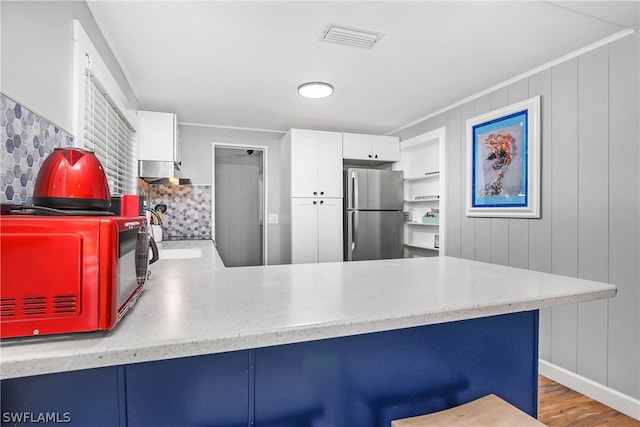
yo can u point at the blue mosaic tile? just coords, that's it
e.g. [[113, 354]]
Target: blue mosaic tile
[[26, 142], [188, 214]]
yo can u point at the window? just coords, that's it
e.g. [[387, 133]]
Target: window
[[103, 119], [108, 134]]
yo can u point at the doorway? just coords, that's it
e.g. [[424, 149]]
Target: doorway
[[239, 204]]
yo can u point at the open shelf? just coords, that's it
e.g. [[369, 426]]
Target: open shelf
[[429, 248], [422, 161], [433, 198], [427, 175]]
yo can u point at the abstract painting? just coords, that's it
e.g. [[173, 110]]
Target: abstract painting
[[503, 166]]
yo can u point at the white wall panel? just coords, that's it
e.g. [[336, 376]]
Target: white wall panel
[[593, 208], [624, 214], [454, 161], [564, 205]]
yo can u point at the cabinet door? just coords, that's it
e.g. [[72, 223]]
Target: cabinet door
[[156, 135], [330, 230], [356, 146], [387, 148], [330, 164], [304, 230], [304, 163], [371, 147]]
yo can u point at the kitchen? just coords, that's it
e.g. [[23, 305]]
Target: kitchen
[[609, 359]]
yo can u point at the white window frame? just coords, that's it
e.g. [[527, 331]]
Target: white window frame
[[85, 55]]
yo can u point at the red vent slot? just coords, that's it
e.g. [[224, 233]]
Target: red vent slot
[[7, 307], [65, 304], [34, 306]]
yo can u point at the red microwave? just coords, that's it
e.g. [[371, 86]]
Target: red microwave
[[61, 274]]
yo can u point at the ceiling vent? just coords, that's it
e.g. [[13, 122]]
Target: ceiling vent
[[351, 36]]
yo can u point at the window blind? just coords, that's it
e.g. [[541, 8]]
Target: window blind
[[108, 134]]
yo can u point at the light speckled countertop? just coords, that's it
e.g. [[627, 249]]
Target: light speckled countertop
[[197, 306]]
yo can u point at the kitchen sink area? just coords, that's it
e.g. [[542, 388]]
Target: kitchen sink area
[[175, 253]]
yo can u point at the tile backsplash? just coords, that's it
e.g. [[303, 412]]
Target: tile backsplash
[[188, 214], [27, 139]]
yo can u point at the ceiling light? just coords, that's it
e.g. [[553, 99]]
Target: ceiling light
[[315, 90]]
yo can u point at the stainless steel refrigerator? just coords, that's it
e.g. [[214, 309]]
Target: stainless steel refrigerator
[[373, 222]]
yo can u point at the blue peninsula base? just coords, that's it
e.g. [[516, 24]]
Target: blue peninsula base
[[363, 380]]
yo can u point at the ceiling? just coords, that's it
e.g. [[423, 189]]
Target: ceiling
[[238, 64]]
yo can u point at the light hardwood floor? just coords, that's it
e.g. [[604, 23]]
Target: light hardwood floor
[[559, 406]]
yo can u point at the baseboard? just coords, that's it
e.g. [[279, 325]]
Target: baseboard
[[603, 394]]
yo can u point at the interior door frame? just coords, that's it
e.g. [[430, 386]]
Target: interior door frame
[[265, 221]]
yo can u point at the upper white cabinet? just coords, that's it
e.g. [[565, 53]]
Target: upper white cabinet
[[374, 148], [316, 163], [158, 137]]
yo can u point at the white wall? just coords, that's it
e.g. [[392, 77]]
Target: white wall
[[590, 224], [37, 56]]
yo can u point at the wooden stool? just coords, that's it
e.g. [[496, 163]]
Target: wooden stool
[[488, 411]]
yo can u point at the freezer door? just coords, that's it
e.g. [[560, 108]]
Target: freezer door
[[373, 235], [373, 189]]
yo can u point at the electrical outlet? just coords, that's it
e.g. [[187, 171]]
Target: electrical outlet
[[273, 218]]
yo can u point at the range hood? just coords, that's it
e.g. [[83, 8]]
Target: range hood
[[161, 172]]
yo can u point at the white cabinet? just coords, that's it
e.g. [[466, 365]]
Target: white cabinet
[[375, 148], [311, 195], [422, 160], [316, 163], [316, 230], [158, 137]]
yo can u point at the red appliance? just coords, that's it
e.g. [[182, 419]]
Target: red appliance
[[72, 178], [63, 274]]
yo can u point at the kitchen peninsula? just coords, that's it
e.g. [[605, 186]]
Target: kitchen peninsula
[[334, 344]]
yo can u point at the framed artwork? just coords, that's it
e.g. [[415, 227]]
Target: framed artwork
[[503, 162]]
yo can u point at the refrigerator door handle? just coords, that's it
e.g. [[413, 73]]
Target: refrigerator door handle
[[354, 191], [354, 231]]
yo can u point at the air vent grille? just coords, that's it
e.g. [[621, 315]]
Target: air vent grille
[[7, 307], [64, 304], [351, 36], [34, 306], [39, 306]]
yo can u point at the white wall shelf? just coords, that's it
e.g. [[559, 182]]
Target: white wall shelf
[[423, 199], [427, 175], [427, 247], [422, 161]]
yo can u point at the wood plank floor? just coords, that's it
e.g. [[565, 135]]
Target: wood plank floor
[[559, 406]]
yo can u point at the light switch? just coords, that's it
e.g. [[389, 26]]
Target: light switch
[[273, 218]]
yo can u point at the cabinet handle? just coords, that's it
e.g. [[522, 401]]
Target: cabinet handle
[[322, 193], [315, 202], [321, 201], [376, 156], [370, 156], [315, 193]]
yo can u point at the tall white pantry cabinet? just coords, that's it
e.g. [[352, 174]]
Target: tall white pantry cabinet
[[311, 192]]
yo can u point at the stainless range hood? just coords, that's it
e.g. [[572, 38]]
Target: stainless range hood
[[161, 172]]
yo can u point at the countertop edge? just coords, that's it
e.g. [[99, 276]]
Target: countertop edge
[[162, 351]]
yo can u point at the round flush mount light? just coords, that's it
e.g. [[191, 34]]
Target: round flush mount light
[[315, 90]]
